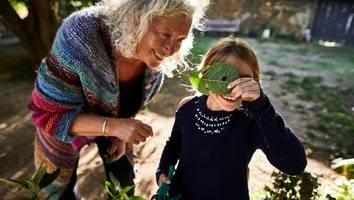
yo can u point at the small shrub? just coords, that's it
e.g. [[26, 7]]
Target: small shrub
[[286, 187], [344, 167], [341, 189], [115, 190], [34, 185]]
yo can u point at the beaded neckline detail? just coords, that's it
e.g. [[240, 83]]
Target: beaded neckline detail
[[211, 124]]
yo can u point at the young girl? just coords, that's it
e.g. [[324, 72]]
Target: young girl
[[214, 136]]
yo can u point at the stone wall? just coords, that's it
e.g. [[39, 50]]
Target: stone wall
[[287, 17]]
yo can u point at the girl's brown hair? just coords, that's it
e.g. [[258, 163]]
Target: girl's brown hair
[[236, 47]]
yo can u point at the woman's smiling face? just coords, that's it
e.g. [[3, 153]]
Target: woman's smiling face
[[162, 39]]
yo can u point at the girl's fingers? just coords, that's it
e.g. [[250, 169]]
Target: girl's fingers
[[238, 92], [163, 179], [238, 81], [246, 84], [243, 87], [251, 94]]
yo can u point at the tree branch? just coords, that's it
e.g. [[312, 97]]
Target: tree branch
[[11, 19]]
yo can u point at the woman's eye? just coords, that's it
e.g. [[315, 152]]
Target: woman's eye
[[166, 35], [180, 40]]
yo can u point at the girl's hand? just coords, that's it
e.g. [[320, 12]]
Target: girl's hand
[[163, 179], [117, 148], [245, 88], [128, 130]]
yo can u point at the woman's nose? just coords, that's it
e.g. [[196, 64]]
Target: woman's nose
[[170, 48]]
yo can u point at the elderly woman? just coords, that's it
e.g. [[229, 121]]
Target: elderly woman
[[106, 62]]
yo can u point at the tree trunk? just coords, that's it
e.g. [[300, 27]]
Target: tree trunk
[[37, 31]]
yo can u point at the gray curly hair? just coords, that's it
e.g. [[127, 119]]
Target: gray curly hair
[[129, 20]]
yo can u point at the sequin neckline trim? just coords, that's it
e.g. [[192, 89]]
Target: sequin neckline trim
[[210, 122]]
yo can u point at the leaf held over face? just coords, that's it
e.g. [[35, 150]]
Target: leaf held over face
[[214, 78]]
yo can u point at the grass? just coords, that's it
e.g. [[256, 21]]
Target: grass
[[271, 75], [336, 59], [334, 116]]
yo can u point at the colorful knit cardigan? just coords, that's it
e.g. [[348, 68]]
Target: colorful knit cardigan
[[78, 76]]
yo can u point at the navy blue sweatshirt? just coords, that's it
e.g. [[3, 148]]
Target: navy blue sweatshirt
[[214, 148]]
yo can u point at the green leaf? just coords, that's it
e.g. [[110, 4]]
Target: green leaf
[[48, 178], [126, 189], [31, 185], [110, 188], [115, 182], [39, 175], [214, 78], [110, 159], [136, 198], [14, 183]]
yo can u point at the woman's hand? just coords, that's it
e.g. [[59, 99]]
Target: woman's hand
[[245, 88], [128, 130], [163, 179], [117, 148]]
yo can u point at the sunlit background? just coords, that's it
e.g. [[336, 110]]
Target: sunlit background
[[306, 51]]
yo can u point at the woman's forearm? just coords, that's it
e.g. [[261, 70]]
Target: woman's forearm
[[86, 124], [128, 130]]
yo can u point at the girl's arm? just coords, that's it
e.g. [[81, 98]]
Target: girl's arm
[[273, 136], [171, 151]]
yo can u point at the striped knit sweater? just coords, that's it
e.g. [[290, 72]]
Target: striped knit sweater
[[78, 76]]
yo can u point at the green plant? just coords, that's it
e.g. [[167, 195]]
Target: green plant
[[33, 186], [286, 187], [116, 192], [344, 166], [341, 189], [119, 194]]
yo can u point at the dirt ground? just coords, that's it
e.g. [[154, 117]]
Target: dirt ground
[[17, 134]]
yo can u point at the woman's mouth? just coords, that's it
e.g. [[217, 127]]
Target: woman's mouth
[[158, 56]]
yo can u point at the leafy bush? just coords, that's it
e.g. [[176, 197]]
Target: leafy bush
[[286, 187], [344, 166], [116, 192], [306, 186], [33, 186], [341, 189], [121, 194]]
